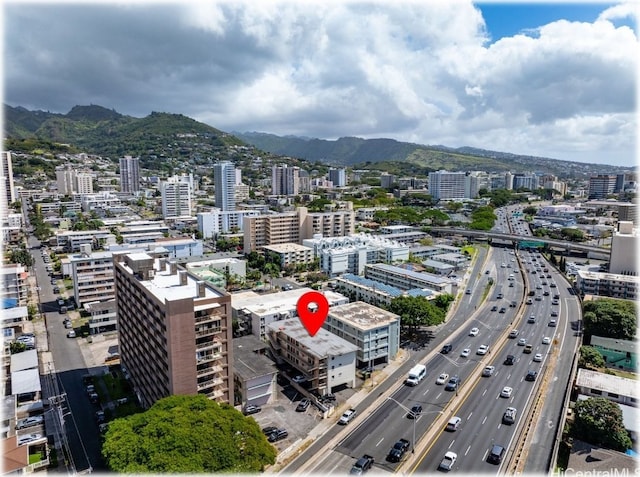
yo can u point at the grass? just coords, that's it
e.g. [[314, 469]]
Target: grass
[[36, 457]]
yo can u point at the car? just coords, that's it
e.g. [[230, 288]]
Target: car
[[499, 296], [531, 375], [29, 422], [415, 411], [503, 310], [546, 293], [496, 454], [494, 308], [482, 350], [537, 357], [506, 392], [71, 334], [486, 272], [269, 430], [347, 416], [303, 405], [554, 313], [552, 323], [278, 435], [531, 319], [448, 460], [362, 465], [251, 409], [546, 340], [522, 342], [509, 360], [453, 424], [474, 332], [446, 348], [513, 334], [528, 348], [299, 379], [529, 301], [453, 384], [556, 297], [538, 298], [68, 324], [509, 416], [100, 417], [510, 284], [104, 427], [553, 285], [465, 353], [22, 440], [56, 289], [468, 292], [488, 371], [94, 398], [398, 450], [442, 378]]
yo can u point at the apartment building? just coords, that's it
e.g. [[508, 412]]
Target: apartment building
[[602, 185], [406, 279], [607, 284], [174, 330], [71, 240], [102, 316], [448, 185], [14, 290], [92, 276], [176, 199], [329, 224], [254, 373], [374, 331], [129, 174], [624, 244], [8, 194], [217, 221], [326, 360], [285, 180], [291, 253], [224, 177]]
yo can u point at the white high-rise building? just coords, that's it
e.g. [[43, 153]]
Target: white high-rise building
[[176, 199], [338, 177], [448, 185], [8, 189], [64, 180], [129, 174], [285, 180], [83, 183], [224, 179]]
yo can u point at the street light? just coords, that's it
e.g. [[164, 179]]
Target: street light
[[415, 418]]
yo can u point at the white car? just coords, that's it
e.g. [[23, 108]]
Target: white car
[[488, 371], [482, 350], [546, 340], [506, 392], [29, 421], [465, 353], [522, 342], [442, 378], [22, 440], [537, 358], [474, 332]]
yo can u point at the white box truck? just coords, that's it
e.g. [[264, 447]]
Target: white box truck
[[416, 374]]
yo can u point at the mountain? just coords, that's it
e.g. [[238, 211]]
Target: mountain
[[102, 131]]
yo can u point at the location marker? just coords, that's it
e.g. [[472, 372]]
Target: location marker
[[312, 317]]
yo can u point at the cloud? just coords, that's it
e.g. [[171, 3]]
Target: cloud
[[418, 71]]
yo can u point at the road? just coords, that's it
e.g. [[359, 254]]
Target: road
[[80, 425]]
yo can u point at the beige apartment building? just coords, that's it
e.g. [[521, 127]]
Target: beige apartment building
[[174, 330]]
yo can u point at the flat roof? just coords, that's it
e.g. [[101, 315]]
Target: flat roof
[[281, 302], [248, 363], [428, 277], [362, 315], [436, 264], [608, 276], [25, 360], [287, 247], [616, 344], [323, 344], [607, 382]]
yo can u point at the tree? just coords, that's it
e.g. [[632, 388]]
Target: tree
[[187, 434], [416, 311], [610, 318], [530, 210], [599, 421], [590, 358]]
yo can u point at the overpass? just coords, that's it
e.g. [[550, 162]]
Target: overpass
[[516, 239]]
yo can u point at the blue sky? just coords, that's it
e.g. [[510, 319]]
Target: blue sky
[[509, 19]]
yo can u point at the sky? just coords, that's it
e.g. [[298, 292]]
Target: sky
[[545, 79]]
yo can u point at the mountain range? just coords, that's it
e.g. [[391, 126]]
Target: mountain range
[[98, 130]]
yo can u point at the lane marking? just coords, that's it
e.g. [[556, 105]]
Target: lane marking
[[379, 442]]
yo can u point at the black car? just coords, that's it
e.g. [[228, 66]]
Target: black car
[[510, 360], [531, 376], [251, 409], [415, 411], [397, 451], [278, 435], [446, 348], [303, 405], [269, 430], [494, 308], [496, 454]]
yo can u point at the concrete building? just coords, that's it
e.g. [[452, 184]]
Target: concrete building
[[338, 177], [224, 178], [374, 331], [326, 360], [13, 284], [129, 174], [256, 312], [406, 279], [375, 293], [92, 276], [525, 181], [445, 185], [601, 186], [607, 284], [176, 199], [174, 330], [624, 244], [102, 316], [291, 253], [253, 372], [366, 214], [285, 180], [8, 194], [614, 388], [217, 221], [71, 240], [83, 182], [628, 212]]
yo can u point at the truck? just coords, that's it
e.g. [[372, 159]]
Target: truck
[[416, 374], [363, 464], [347, 417], [447, 462]]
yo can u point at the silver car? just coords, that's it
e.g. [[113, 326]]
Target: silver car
[[29, 422]]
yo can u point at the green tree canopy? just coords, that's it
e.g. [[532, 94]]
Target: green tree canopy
[[599, 421], [482, 218], [610, 318], [590, 358], [186, 434], [416, 311]]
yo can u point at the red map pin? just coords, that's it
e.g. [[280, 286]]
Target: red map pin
[[312, 317]]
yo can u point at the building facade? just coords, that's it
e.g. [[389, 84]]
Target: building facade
[[285, 180], [174, 330], [176, 199], [129, 174], [444, 185], [601, 186], [8, 195], [224, 179]]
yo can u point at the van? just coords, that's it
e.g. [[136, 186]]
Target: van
[[496, 454], [416, 374]]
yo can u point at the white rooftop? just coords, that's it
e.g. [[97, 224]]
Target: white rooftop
[[607, 382], [287, 247], [282, 302], [363, 315], [322, 344]]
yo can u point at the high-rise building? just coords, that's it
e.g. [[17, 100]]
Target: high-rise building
[[285, 180], [176, 199], [8, 190], [624, 250], [448, 185], [525, 181], [174, 330], [129, 174], [601, 186], [64, 180], [225, 179], [83, 183], [338, 177]]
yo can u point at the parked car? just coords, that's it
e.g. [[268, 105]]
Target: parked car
[[269, 430], [303, 405], [100, 417], [251, 409], [22, 440], [299, 379], [278, 435], [29, 422]]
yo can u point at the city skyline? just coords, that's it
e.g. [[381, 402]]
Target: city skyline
[[546, 80]]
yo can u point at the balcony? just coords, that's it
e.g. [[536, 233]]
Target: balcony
[[208, 357], [207, 331], [207, 370], [209, 383]]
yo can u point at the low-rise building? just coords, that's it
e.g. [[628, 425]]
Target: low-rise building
[[253, 372], [375, 293], [325, 360], [102, 316], [406, 279], [291, 253], [622, 354], [615, 388], [607, 284]]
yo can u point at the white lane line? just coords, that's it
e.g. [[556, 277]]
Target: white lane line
[[467, 451], [469, 416], [379, 442], [451, 444], [484, 420]]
